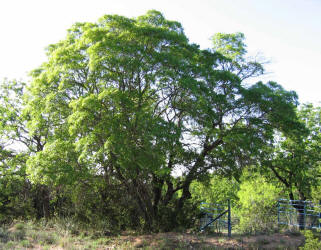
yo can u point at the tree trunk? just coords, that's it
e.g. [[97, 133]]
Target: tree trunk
[[42, 201]]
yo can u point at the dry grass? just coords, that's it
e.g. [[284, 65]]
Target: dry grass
[[29, 235]]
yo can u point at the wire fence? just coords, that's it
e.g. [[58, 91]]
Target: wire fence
[[303, 214], [217, 217]]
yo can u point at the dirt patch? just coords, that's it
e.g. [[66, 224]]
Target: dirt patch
[[199, 241], [272, 241]]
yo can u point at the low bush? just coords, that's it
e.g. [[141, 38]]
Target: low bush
[[257, 209], [312, 242]]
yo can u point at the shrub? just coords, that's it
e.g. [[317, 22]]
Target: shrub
[[4, 236], [257, 205], [311, 242]]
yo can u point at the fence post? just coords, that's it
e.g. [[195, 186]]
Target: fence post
[[304, 215], [229, 233], [320, 214], [278, 213]]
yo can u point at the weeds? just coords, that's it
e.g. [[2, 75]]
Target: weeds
[[25, 243], [312, 242], [263, 242]]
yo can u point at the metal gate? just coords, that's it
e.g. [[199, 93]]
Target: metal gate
[[303, 214], [216, 215]]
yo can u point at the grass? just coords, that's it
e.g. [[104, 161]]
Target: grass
[[68, 235]]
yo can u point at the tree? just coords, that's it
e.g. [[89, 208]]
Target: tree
[[15, 145], [215, 189], [232, 46], [295, 161], [133, 101]]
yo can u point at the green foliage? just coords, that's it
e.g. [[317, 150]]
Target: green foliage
[[312, 242], [257, 208], [295, 160], [118, 107], [215, 189], [15, 199], [230, 45], [316, 194]]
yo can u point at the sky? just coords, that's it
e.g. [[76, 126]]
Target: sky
[[287, 33]]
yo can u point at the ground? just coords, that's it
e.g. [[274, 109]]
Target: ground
[[31, 236], [199, 241]]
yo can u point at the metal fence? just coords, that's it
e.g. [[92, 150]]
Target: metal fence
[[216, 216], [303, 214]]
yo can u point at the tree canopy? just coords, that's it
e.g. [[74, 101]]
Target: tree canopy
[[132, 103]]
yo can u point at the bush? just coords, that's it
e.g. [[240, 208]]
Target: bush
[[257, 204], [311, 242], [4, 235]]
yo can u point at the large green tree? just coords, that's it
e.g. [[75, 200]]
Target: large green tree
[[132, 101]]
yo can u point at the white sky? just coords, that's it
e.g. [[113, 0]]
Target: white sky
[[287, 32]]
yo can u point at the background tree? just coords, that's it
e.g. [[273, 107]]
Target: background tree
[[15, 190], [295, 161]]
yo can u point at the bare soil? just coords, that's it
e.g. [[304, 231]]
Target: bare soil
[[199, 241]]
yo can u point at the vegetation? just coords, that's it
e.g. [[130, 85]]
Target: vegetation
[[61, 235], [129, 126], [311, 241], [257, 207]]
